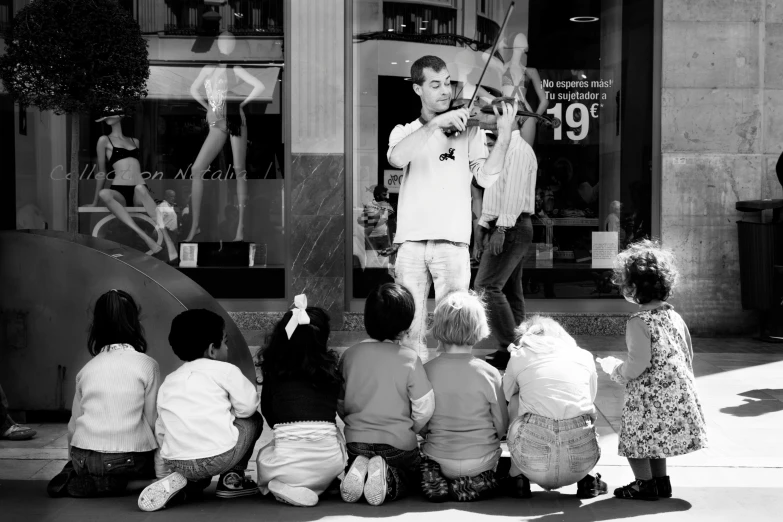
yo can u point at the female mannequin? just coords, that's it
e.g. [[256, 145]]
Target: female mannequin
[[514, 82], [127, 187], [225, 119]]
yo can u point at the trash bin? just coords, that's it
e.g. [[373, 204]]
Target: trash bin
[[761, 263]]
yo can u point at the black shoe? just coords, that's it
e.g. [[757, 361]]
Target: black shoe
[[517, 487], [433, 484], [591, 487], [638, 490], [498, 359], [664, 486], [58, 486]]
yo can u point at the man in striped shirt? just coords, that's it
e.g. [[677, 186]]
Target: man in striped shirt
[[505, 231]]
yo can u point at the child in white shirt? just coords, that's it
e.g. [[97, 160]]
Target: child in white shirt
[[208, 420]]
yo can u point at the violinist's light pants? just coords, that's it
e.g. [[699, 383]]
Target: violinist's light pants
[[420, 264]]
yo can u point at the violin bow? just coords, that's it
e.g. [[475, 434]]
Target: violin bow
[[491, 54]]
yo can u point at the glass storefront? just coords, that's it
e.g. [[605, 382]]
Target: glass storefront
[[214, 105], [586, 63]]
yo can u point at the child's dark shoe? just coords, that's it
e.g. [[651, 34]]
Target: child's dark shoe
[[591, 487], [485, 484], [664, 486], [461, 490], [234, 484], [433, 484], [58, 486], [638, 490], [517, 487], [157, 495]]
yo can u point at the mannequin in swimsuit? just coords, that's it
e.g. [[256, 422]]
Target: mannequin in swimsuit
[[127, 187], [514, 82], [217, 81]]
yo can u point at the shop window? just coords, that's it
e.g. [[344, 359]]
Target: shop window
[[6, 14], [593, 184]]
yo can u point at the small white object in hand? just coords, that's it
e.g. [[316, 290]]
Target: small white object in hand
[[608, 364]]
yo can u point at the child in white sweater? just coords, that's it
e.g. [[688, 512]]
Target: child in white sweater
[[110, 434]]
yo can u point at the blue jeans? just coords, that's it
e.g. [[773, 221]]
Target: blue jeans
[[405, 465], [202, 470], [419, 265], [500, 277], [104, 474], [553, 453]]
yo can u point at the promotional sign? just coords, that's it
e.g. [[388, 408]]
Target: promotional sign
[[604, 249]]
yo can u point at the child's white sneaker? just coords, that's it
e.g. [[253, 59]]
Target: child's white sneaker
[[156, 495], [352, 486], [296, 496], [375, 488]]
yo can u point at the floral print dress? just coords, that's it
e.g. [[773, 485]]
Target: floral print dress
[[662, 416]]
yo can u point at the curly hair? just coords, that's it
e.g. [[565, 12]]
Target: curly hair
[[645, 271], [305, 355]]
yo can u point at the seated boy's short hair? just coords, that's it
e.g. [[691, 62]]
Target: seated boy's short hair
[[460, 319], [193, 331], [388, 312]]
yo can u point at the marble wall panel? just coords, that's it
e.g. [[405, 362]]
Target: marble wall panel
[[711, 54], [708, 186], [773, 121], [773, 56], [317, 224], [319, 187], [711, 120], [714, 10]]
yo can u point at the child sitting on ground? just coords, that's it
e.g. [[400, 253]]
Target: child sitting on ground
[[386, 399], [662, 416], [299, 400], [110, 434], [462, 447], [208, 421]]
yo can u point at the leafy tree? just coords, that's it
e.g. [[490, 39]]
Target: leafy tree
[[75, 57]]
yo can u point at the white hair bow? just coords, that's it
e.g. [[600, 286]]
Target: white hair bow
[[298, 315]]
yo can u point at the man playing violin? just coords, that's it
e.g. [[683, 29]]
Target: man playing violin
[[440, 156]]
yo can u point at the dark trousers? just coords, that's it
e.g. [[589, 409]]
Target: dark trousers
[[97, 474], [405, 466], [500, 277]]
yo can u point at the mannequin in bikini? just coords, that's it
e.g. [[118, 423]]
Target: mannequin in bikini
[[121, 154], [515, 78], [225, 119]]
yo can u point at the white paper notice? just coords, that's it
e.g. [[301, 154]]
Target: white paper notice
[[188, 255], [604, 249]]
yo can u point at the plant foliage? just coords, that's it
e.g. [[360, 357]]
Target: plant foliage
[[75, 56]]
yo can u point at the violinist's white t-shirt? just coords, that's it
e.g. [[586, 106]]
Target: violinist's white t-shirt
[[434, 200]]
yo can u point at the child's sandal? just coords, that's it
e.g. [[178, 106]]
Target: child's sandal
[[638, 490]]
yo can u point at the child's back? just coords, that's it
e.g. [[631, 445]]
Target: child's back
[[381, 378], [198, 404], [469, 417]]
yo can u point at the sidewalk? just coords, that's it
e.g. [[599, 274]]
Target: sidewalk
[[740, 476]]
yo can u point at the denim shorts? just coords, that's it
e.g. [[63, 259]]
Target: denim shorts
[[553, 453]]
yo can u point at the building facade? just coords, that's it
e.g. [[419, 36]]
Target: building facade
[[668, 111]]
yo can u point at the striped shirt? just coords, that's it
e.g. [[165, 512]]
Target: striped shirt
[[114, 404], [515, 191]]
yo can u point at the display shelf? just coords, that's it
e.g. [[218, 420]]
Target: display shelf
[[569, 222]]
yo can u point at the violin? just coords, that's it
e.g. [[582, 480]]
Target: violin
[[487, 120]]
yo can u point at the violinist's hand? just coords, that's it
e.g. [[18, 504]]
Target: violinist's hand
[[507, 120], [452, 120]]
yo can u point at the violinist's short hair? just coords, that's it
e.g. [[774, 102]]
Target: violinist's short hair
[[425, 62]]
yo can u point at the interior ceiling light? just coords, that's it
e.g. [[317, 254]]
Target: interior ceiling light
[[394, 63], [584, 19]]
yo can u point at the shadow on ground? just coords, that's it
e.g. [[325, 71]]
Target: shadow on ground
[[759, 402], [27, 500]]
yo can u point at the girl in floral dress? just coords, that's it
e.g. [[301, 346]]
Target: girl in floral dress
[[662, 416]]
